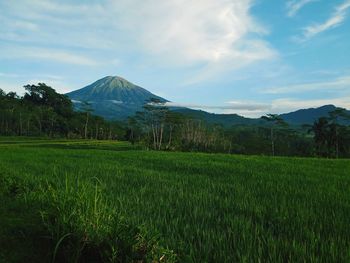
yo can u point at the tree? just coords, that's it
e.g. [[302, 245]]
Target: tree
[[44, 112], [320, 130], [86, 108], [154, 117], [44, 95], [275, 121], [335, 117], [133, 130], [2, 94], [172, 120]]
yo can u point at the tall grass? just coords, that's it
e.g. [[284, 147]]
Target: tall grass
[[86, 228], [206, 207]]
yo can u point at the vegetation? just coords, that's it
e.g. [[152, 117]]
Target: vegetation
[[331, 138], [66, 219], [111, 202], [43, 112], [159, 128]]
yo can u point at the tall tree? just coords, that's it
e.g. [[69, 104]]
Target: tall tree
[[155, 113], [335, 117], [86, 108], [320, 128], [275, 121]]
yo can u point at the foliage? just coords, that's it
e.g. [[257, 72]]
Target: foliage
[[332, 139], [159, 128], [43, 112]]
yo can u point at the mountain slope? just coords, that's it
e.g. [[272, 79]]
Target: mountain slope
[[115, 98], [308, 116], [112, 97], [226, 120]]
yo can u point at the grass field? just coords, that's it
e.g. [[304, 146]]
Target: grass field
[[201, 207]]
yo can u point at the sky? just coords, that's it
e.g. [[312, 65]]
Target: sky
[[249, 57]]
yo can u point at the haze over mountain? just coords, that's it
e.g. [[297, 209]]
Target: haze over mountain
[[115, 98]]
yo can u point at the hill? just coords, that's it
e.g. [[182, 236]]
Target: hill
[[226, 120], [115, 98], [308, 116]]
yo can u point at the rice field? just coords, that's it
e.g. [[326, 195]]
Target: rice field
[[107, 201]]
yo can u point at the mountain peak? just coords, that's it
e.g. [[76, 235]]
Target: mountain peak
[[114, 82], [113, 97], [112, 88]]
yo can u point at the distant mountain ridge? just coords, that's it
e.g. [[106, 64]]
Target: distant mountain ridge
[[115, 98], [307, 116]]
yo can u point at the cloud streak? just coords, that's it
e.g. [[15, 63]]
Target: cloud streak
[[286, 105], [294, 6], [231, 105], [252, 109], [337, 18], [49, 54], [340, 84]]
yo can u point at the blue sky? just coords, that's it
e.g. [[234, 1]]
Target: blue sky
[[229, 56]]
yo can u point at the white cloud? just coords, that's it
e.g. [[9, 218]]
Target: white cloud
[[59, 56], [18, 52], [215, 34], [294, 6], [9, 75], [285, 105], [336, 19], [231, 105], [244, 108], [340, 84], [196, 31]]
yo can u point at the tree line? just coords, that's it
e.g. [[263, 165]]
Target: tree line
[[159, 128], [41, 111]]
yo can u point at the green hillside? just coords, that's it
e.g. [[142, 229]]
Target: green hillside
[[226, 120], [204, 207], [308, 116]]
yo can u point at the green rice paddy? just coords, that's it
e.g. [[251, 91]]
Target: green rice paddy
[[114, 202]]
